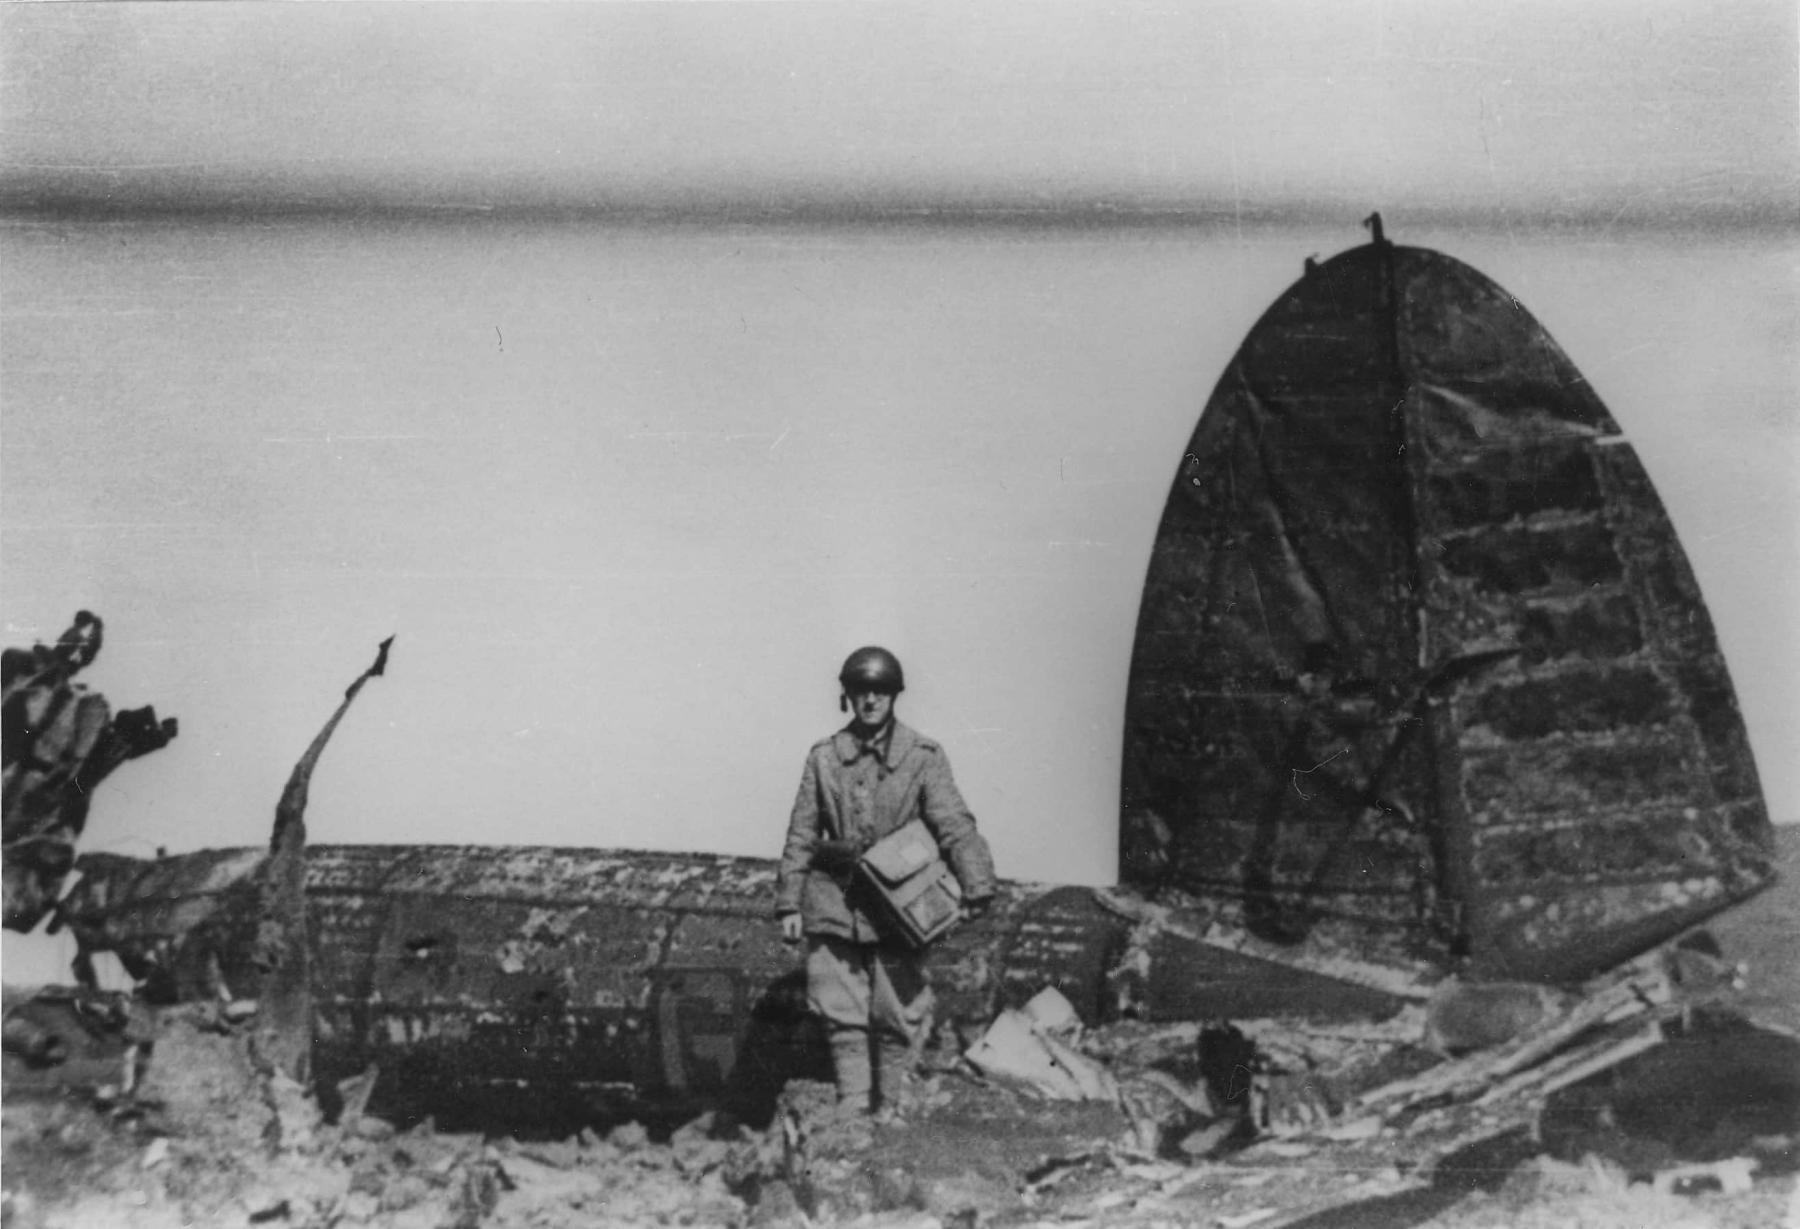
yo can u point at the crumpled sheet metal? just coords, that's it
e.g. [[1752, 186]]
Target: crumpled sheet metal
[[185, 926], [1192, 959], [484, 979], [61, 741], [1401, 464]]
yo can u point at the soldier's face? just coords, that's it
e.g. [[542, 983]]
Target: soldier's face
[[871, 708]]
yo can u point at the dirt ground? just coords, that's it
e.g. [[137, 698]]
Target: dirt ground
[[205, 1139]]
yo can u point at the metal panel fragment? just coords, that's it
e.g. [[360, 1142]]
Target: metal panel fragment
[[61, 740], [507, 982], [1398, 471]]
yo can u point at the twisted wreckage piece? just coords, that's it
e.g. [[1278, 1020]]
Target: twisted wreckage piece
[[281, 951], [274, 956], [1501, 1089], [61, 741]]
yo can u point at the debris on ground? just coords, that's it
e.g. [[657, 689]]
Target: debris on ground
[[1033, 1048], [123, 1111], [1254, 1122]]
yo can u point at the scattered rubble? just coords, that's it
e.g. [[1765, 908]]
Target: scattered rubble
[[1253, 1122], [1033, 1048], [161, 1114]]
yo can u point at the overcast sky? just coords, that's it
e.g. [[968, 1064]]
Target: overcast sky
[[1643, 109]]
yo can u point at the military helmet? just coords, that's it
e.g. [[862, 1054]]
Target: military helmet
[[872, 668]]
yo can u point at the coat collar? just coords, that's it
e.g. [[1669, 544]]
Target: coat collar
[[890, 749]]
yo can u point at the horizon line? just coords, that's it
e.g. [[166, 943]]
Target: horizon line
[[1075, 213]]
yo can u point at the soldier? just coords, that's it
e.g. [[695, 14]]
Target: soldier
[[862, 783]]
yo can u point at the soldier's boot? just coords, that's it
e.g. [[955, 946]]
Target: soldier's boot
[[894, 1061], [851, 1068]]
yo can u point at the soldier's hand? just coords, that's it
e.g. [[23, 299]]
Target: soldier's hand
[[791, 928], [975, 910]]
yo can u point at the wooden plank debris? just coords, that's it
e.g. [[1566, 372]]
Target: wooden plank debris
[[1420, 1121], [1627, 992]]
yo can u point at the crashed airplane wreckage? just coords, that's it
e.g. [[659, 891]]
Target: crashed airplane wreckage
[[1420, 662], [1405, 526], [61, 741]]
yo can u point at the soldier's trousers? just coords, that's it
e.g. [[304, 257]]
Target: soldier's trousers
[[877, 1007]]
